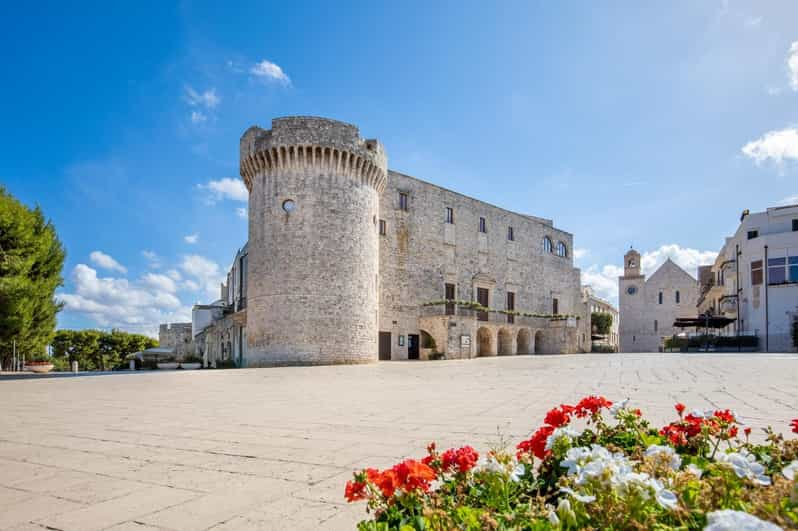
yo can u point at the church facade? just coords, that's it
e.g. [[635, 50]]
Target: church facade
[[649, 306]]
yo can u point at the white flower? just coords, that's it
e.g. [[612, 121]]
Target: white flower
[[565, 510], [790, 470], [618, 406], [728, 520], [675, 461], [565, 431], [517, 472], [553, 518], [745, 466], [584, 498], [694, 470], [489, 464], [573, 458], [664, 497]]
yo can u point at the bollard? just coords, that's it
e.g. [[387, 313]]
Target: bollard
[[132, 365], [74, 366]]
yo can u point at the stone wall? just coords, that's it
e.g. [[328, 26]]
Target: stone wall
[[178, 337], [420, 252]]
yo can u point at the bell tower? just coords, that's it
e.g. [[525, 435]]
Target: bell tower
[[631, 263], [631, 302]]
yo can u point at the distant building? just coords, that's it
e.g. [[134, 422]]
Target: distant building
[[178, 338], [596, 304], [761, 295], [649, 307]]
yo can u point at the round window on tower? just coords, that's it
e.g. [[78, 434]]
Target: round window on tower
[[631, 290], [289, 205]]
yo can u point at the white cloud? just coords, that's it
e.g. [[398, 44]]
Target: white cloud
[[753, 22], [580, 253], [197, 117], [792, 65], [226, 188], [175, 275], [115, 302], [105, 261], [241, 212], [207, 99], [270, 72], [206, 272], [773, 91], [775, 145], [789, 200], [153, 259], [159, 282], [604, 279], [191, 238], [191, 285]]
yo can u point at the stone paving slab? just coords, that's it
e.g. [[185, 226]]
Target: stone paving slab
[[273, 448]]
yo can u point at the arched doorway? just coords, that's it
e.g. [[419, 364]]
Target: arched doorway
[[539, 342], [524, 341], [485, 344], [505, 342]]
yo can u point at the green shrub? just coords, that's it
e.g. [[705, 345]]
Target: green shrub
[[226, 364], [603, 349], [601, 321]]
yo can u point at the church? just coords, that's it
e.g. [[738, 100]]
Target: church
[[649, 307]]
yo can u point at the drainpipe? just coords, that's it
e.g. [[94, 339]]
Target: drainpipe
[[737, 290], [767, 323]]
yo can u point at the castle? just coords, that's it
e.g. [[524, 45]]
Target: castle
[[350, 262]]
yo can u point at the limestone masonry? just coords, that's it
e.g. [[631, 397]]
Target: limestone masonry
[[349, 262]]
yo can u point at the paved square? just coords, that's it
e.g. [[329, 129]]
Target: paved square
[[272, 448]]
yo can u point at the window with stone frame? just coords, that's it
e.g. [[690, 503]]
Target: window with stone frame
[[450, 215], [547, 245], [753, 234], [382, 227], [678, 297], [659, 298], [562, 250], [403, 201], [483, 225], [756, 273], [555, 306], [510, 234]]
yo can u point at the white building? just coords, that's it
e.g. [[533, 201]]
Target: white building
[[596, 304], [765, 245], [649, 307]]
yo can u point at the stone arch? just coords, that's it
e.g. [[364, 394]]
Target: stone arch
[[506, 347], [426, 340], [524, 341], [486, 344], [539, 342]]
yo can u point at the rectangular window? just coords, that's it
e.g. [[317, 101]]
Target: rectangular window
[[753, 234], [660, 297], [795, 225], [792, 265], [510, 306], [382, 227], [777, 272], [756, 272], [483, 225], [449, 215], [656, 326], [449, 296], [402, 201], [483, 298], [510, 234], [678, 297], [555, 306]]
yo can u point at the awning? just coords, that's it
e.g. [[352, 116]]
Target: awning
[[703, 322]]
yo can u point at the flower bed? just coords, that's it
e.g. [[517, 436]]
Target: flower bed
[[596, 465]]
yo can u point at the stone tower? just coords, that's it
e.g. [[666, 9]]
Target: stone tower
[[314, 189], [631, 301]]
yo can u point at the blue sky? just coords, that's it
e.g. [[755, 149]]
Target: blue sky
[[653, 124]]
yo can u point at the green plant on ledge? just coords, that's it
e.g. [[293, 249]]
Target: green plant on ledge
[[472, 305]]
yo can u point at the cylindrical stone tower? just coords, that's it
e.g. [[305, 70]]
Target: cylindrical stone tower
[[314, 188]]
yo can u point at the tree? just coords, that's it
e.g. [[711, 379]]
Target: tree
[[96, 350], [601, 322], [31, 261]]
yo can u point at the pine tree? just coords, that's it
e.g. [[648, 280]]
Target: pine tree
[[31, 260]]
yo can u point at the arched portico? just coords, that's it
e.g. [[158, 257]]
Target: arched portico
[[486, 342], [506, 340], [524, 341]]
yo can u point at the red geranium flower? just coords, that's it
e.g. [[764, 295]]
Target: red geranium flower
[[638, 412], [794, 425], [557, 417], [725, 416], [356, 490], [411, 475], [680, 408], [747, 431], [463, 459], [536, 445], [590, 405]]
